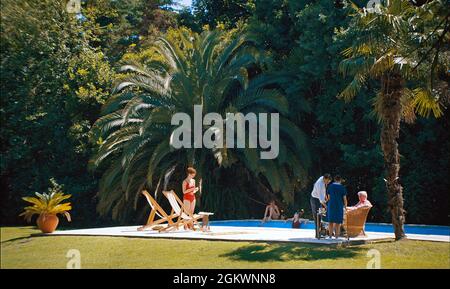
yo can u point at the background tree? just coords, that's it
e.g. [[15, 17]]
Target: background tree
[[116, 26], [382, 50], [206, 70], [344, 138], [225, 12], [42, 126], [57, 70]]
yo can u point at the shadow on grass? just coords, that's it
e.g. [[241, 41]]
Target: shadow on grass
[[289, 252], [20, 235], [23, 239]]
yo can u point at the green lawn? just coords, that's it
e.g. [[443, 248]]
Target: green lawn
[[19, 250]]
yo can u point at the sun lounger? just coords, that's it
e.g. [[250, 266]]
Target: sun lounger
[[185, 217], [156, 210]]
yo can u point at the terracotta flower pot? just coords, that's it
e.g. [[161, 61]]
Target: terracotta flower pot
[[47, 223]]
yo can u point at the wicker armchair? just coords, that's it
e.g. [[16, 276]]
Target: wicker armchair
[[354, 221]]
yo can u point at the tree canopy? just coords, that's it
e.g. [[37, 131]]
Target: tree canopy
[[91, 87]]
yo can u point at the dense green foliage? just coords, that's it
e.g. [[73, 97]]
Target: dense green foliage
[[56, 72], [59, 69], [194, 69]]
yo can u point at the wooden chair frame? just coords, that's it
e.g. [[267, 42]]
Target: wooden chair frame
[[185, 217], [157, 210]]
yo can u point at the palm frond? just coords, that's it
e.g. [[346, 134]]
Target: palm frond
[[425, 104], [206, 69], [352, 89]]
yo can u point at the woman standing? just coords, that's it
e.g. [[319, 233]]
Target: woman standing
[[337, 202], [189, 189]]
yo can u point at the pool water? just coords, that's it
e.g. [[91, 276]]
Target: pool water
[[370, 227]]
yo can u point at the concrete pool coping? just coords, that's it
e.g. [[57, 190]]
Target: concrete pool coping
[[311, 222], [245, 234]]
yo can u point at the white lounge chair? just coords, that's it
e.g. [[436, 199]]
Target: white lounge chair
[[156, 210], [185, 217]]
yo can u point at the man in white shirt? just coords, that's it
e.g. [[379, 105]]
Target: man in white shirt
[[318, 195]]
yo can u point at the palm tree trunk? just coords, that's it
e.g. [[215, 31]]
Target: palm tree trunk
[[392, 86]]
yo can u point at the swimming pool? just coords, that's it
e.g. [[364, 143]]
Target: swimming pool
[[370, 227]]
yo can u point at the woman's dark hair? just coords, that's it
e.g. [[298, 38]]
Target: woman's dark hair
[[337, 178], [327, 176]]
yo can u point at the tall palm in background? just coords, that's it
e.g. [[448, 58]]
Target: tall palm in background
[[397, 47], [198, 69]]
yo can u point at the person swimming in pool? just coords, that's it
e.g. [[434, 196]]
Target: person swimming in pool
[[296, 219], [272, 212]]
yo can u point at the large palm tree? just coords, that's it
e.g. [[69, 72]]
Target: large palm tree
[[206, 69], [386, 48]]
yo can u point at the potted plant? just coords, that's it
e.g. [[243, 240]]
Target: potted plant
[[47, 206]]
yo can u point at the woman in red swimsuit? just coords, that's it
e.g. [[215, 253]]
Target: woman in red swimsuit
[[189, 190]]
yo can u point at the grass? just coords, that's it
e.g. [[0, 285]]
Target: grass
[[21, 250]]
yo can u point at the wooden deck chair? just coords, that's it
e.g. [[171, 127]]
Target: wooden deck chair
[[184, 216], [355, 220], [156, 210]]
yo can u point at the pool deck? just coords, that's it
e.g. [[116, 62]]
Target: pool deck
[[253, 234]]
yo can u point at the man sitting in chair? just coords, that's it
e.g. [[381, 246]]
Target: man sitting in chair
[[363, 201], [356, 216]]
